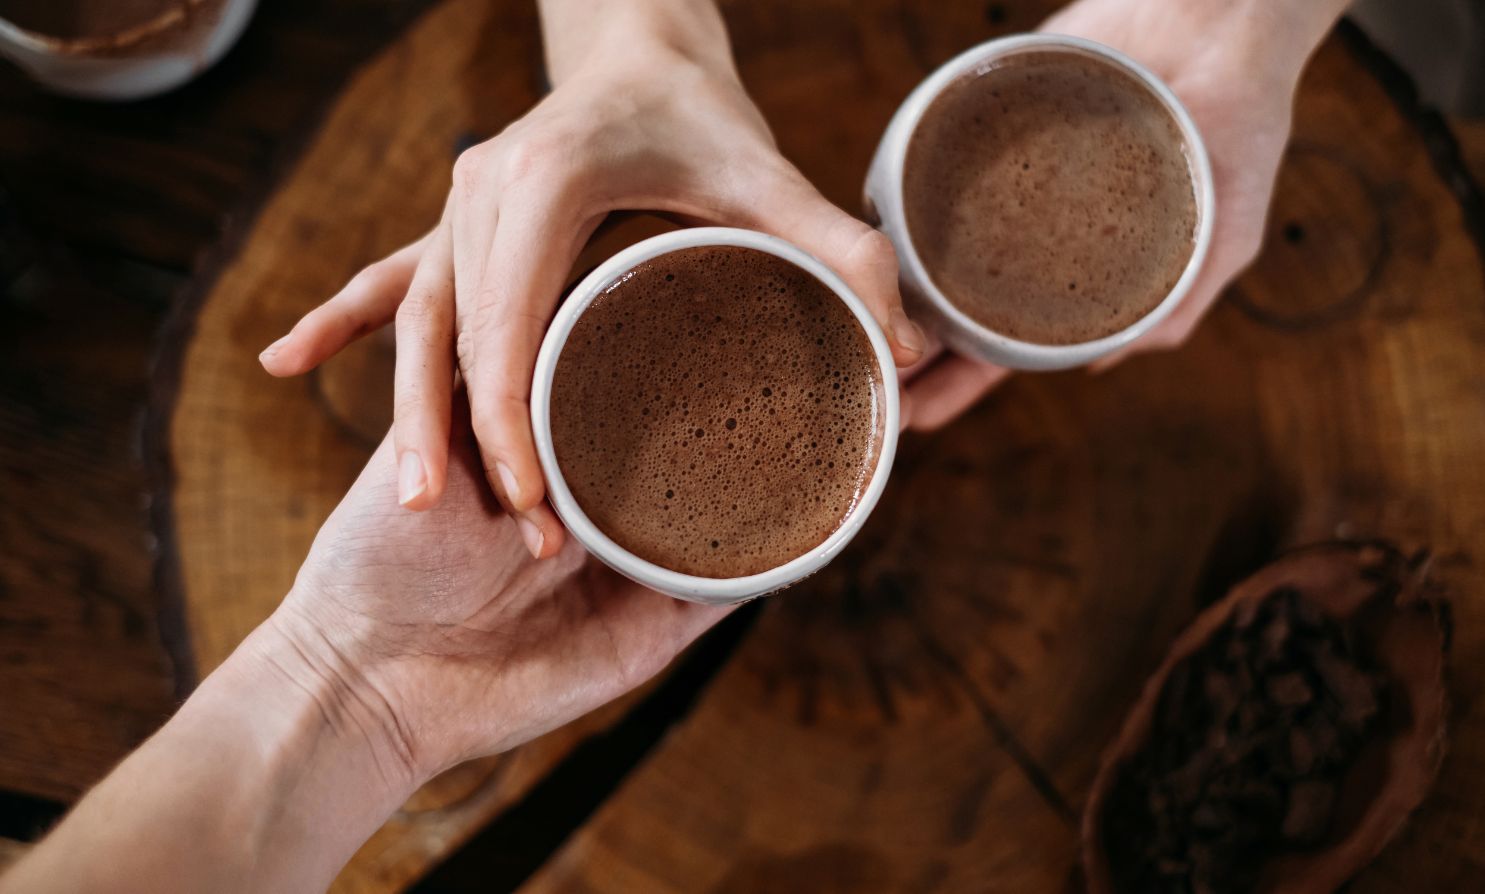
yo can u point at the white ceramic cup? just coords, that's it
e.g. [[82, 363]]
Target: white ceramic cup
[[714, 591], [147, 60], [958, 330]]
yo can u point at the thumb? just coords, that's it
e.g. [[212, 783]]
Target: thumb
[[862, 255]]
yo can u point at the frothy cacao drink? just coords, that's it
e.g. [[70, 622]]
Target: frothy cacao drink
[[75, 19], [1049, 197], [717, 411]]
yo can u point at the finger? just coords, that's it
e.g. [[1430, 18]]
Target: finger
[[943, 392], [501, 327], [366, 303], [473, 213], [424, 379], [541, 531], [932, 351], [862, 256]]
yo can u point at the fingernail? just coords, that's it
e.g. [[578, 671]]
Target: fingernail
[[907, 332], [508, 481], [271, 350], [531, 534], [412, 480]]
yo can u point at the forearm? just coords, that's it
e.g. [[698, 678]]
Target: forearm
[[1287, 30], [578, 32], [1260, 44], [266, 780]]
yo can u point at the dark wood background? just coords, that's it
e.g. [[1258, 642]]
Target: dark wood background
[[111, 217], [106, 211]]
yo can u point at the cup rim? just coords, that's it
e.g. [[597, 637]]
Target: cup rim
[[694, 588], [1035, 355]]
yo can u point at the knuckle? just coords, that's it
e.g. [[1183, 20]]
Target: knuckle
[[494, 352], [368, 278], [487, 323], [482, 303], [494, 419], [534, 157], [469, 168], [415, 314], [464, 350], [503, 322], [871, 252], [407, 407], [873, 248]]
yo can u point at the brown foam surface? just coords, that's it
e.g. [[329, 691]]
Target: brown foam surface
[[1050, 197], [718, 411], [71, 19]]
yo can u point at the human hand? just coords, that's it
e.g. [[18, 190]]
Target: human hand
[[657, 122], [410, 641], [1234, 64], [447, 640]]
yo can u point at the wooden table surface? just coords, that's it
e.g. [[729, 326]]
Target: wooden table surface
[[106, 211], [911, 719]]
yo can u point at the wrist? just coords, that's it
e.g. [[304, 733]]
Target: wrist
[[1263, 39], [317, 762], [1259, 46], [600, 35], [329, 693], [252, 786], [1285, 32]]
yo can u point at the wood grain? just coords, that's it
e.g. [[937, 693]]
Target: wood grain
[[245, 516], [104, 210], [925, 714], [1471, 133], [82, 668], [155, 180]]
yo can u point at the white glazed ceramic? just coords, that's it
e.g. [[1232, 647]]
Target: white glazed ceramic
[[957, 329], [715, 591], [150, 59]]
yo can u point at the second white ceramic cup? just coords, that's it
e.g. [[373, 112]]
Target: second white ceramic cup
[[714, 591], [152, 58], [962, 333]]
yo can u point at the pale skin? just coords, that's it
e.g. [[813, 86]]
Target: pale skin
[[1234, 64], [646, 114], [411, 641]]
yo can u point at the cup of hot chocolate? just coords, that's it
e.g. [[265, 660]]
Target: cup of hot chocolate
[[119, 49], [1049, 198], [715, 412]]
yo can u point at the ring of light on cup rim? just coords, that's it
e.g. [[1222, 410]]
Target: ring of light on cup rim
[[695, 588], [1034, 355]]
